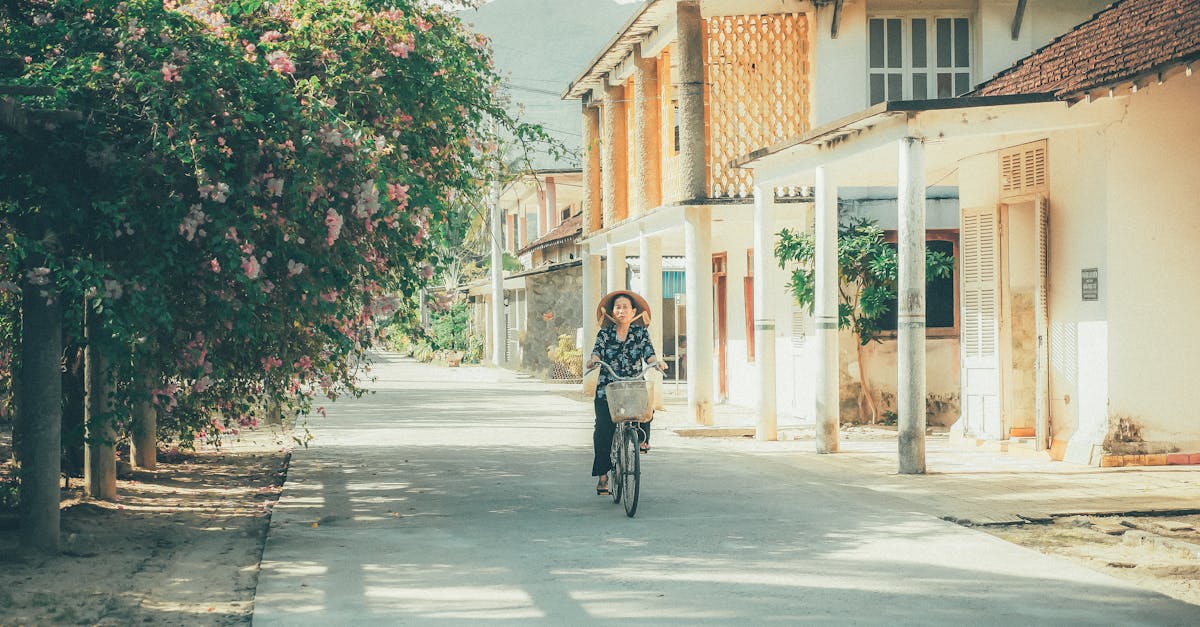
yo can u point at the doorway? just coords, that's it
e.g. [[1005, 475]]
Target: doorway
[[1024, 320]]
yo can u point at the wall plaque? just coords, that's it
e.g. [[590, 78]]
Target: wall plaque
[[1091, 284]]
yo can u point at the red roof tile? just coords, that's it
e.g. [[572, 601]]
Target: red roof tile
[[568, 229], [1126, 40]]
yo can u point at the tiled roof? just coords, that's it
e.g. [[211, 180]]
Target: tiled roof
[[567, 230], [1127, 40]]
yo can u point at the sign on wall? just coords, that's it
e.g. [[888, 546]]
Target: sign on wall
[[1091, 284]]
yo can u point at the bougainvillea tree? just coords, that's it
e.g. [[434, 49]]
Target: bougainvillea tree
[[251, 180]]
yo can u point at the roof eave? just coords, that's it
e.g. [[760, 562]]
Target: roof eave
[[869, 116]]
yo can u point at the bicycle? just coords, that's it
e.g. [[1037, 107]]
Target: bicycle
[[629, 406]]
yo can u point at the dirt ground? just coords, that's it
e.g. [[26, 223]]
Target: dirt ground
[[181, 546], [1160, 552]]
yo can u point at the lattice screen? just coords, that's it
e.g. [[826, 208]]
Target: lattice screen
[[757, 75]]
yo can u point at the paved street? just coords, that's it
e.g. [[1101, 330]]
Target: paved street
[[463, 496]]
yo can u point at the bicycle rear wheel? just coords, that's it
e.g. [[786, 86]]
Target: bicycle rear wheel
[[614, 473], [631, 471]]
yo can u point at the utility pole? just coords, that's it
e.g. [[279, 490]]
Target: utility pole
[[498, 339]]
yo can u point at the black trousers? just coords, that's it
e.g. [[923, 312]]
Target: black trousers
[[602, 437]]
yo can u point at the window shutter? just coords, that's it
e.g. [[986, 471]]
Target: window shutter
[[1023, 170], [979, 266], [799, 326], [980, 322]]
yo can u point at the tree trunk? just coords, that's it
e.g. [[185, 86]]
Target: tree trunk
[[99, 453], [144, 445], [862, 382], [41, 416]]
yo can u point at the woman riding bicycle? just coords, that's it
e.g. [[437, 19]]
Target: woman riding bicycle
[[623, 343]]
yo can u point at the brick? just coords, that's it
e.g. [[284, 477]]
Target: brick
[[1194, 458], [1178, 459], [1158, 459], [1112, 461]]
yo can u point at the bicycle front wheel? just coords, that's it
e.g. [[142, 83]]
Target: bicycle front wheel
[[631, 471], [614, 474]]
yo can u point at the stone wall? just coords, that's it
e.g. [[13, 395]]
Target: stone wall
[[555, 301]]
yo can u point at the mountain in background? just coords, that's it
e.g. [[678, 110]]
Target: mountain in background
[[540, 46]]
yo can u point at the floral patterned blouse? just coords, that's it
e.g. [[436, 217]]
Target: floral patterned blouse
[[626, 358]]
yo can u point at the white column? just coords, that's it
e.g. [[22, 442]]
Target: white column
[[543, 214], [910, 312], [616, 269], [764, 321], [651, 258], [551, 203], [825, 312], [591, 296], [697, 229], [498, 338]]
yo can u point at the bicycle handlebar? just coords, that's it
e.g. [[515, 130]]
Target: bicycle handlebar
[[645, 367]]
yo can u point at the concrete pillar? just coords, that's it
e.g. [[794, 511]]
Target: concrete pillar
[[697, 231], [543, 222], [616, 269], [99, 451], [38, 424], [551, 203], [910, 311], [764, 319], [592, 209], [497, 326], [647, 135], [614, 171], [651, 259], [825, 311], [143, 445], [522, 221], [591, 297], [690, 51]]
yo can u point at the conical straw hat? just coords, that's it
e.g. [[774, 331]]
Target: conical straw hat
[[643, 308]]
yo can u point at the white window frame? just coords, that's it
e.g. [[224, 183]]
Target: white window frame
[[931, 69]]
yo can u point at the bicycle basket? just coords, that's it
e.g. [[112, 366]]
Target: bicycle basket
[[629, 400]]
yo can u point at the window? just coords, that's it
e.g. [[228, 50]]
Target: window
[[941, 295], [915, 58]]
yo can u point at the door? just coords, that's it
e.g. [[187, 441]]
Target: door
[[720, 265], [1042, 368], [979, 343]]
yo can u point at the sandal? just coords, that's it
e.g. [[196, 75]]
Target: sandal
[[645, 448], [602, 489]]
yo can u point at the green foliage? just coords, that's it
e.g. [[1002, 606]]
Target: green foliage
[[253, 179], [450, 328], [867, 273]]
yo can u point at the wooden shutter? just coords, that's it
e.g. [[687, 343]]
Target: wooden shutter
[[799, 325], [980, 321], [1023, 170], [1042, 321]]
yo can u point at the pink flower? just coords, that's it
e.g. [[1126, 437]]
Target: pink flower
[[170, 72], [214, 265], [280, 62], [201, 384], [333, 226], [250, 267], [294, 267], [303, 363], [271, 35], [271, 362], [329, 296]]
